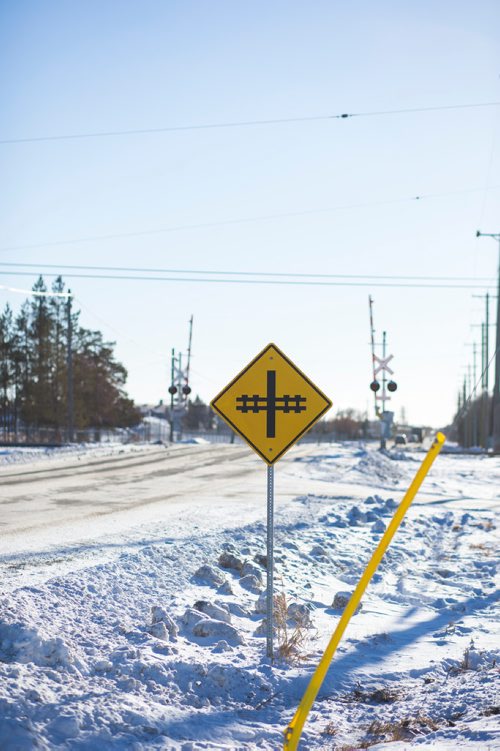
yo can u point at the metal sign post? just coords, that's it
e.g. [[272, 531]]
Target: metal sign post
[[271, 404], [270, 561]]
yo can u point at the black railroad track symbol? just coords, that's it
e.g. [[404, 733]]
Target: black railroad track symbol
[[271, 404]]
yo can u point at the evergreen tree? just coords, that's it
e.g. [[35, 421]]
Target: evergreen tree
[[6, 367], [22, 360], [59, 348], [37, 408], [99, 381], [34, 369]]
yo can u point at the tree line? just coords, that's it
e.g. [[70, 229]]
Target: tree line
[[347, 425], [38, 389]]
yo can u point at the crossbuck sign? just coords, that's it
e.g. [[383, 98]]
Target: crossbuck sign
[[271, 404]]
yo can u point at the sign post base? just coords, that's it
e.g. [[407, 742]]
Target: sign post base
[[270, 561]]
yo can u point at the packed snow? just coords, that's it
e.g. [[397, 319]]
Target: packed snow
[[153, 637]]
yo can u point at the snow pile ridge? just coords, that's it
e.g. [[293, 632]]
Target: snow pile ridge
[[162, 646]]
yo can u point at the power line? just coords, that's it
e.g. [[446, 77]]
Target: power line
[[243, 123], [280, 282], [275, 274], [241, 220], [35, 293]]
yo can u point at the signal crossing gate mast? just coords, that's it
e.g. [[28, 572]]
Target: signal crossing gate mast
[[381, 365], [179, 388]]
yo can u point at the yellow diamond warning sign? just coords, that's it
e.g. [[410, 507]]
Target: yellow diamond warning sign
[[271, 403]]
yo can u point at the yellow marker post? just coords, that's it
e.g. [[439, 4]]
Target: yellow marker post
[[294, 729]]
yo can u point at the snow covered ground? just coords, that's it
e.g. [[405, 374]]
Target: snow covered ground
[[142, 627]]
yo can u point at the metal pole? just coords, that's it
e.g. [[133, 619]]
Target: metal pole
[[469, 410], [475, 440], [484, 396], [180, 398], [188, 367], [270, 560], [172, 398], [466, 414], [487, 344], [496, 388], [372, 340], [71, 408], [483, 358], [495, 412], [384, 377], [384, 380]]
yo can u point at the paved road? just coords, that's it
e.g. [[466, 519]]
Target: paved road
[[56, 494], [59, 515], [79, 498], [72, 512]]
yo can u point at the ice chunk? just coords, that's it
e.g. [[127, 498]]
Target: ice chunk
[[217, 629], [209, 575], [251, 583], [341, 599], [159, 615], [253, 570], [219, 612], [229, 560], [192, 616]]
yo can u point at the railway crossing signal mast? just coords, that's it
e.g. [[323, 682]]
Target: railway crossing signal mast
[[380, 365], [496, 386], [179, 388]]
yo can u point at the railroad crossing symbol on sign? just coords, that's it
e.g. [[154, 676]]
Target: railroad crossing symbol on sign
[[271, 404], [382, 364]]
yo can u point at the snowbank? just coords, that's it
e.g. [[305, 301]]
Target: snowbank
[[163, 647]]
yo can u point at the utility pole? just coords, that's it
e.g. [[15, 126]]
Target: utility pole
[[475, 439], [487, 342], [172, 390], [486, 414], [466, 415], [483, 430], [496, 387], [469, 403], [190, 341], [472, 387], [71, 406], [372, 342]]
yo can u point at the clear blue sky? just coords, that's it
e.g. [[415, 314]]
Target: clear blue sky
[[91, 66]]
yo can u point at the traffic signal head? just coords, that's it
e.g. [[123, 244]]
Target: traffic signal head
[[172, 390], [392, 385], [374, 385], [186, 390]]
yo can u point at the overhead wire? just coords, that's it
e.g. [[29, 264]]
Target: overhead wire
[[243, 123], [35, 293], [241, 220], [260, 281], [223, 273], [159, 354]]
